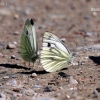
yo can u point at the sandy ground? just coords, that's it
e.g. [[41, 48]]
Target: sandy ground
[[71, 20]]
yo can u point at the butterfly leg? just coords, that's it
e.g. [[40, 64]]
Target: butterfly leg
[[29, 64], [24, 64], [33, 66]]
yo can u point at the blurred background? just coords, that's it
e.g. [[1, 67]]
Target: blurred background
[[68, 19]]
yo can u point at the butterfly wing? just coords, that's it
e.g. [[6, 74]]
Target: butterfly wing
[[28, 42], [54, 59], [29, 26], [54, 41], [55, 55]]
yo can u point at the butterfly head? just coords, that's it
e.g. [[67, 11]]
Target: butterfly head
[[74, 54], [72, 57]]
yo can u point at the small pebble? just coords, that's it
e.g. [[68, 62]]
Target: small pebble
[[61, 88], [13, 57], [12, 82], [92, 47], [16, 16], [14, 42], [79, 48], [37, 86], [6, 77], [74, 94], [63, 40], [72, 88], [45, 99], [86, 17], [94, 14], [47, 89], [89, 33], [16, 33], [2, 96], [74, 64], [28, 92], [79, 98], [11, 46], [27, 12], [15, 96], [14, 76], [95, 94], [72, 81], [68, 96], [86, 57], [1, 55], [34, 75]]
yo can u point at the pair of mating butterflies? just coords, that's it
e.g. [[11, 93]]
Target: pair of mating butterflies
[[54, 55]]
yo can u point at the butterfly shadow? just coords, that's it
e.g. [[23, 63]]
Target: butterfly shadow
[[64, 75], [38, 72], [29, 71], [34, 71], [95, 59], [13, 66]]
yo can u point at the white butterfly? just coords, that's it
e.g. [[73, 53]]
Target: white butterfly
[[54, 55], [28, 42]]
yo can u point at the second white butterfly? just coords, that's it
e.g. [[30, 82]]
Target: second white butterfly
[[54, 55]]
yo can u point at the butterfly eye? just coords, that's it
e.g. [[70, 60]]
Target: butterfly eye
[[49, 45], [32, 22]]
